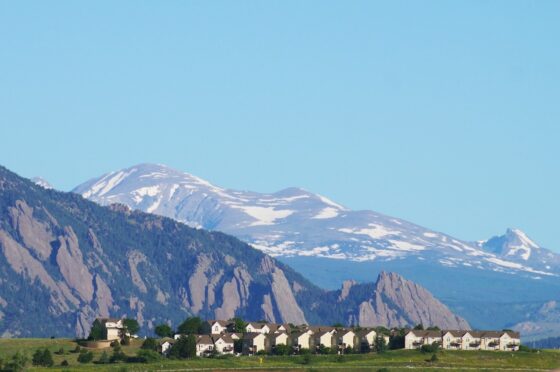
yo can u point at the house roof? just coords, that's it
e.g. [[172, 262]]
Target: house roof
[[322, 333], [108, 320], [257, 325], [225, 337], [204, 339], [223, 323], [426, 333], [364, 332], [512, 334], [252, 335]]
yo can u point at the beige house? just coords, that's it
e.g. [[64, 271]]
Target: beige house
[[257, 328], [114, 328], [301, 340], [204, 345], [165, 345], [452, 340], [367, 337], [416, 338], [278, 338], [465, 340], [223, 344], [325, 338], [510, 341], [346, 338], [253, 343], [218, 326]]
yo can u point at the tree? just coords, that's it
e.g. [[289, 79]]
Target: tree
[[149, 344], [164, 330], [17, 363], [85, 357], [365, 347], [419, 327], [98, 331], [434, 358], [338, 325], [238, 325], [131, 325], [184, 348], [42, 358], [380, 344], [238, 346], [433, 328], [190, 326]]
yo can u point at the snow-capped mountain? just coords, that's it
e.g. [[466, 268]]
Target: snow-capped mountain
[[42, 182], [516, 246], [296, 222]]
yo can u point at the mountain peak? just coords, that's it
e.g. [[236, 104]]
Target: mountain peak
[[514, 243]]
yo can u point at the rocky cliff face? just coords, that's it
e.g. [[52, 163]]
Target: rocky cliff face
[[400, 302], [65, 260]]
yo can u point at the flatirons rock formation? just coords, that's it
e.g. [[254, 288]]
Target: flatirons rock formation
[[65, 260]]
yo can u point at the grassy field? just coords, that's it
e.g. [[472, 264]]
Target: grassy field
[[397, 360]]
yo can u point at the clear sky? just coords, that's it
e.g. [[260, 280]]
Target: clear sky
[[444, 113]]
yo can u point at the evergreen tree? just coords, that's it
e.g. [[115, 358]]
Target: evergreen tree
[[149, 344], [98, 331], [164, 330], [191, 325], [131, 325]]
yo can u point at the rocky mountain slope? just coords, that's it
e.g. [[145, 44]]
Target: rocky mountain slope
[[493, 284], [65, 260]]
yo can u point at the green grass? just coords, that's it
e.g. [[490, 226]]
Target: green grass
[[397, 360]]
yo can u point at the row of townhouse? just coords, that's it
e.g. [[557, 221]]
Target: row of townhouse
[[464, 340], [308, 337], [267, 336]]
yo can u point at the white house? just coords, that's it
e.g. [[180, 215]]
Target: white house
[[114, 328], [470, 341], [204, 345], [165, 345], [257, 328], [278, 338], [301, 340], [325, 338], [253, 343], [416, 338], [218, 326], [223, 344], [346, 338], [452, 340], [510, 341], [367, 337]]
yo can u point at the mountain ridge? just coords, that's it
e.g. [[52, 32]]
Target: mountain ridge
[[79, 260]]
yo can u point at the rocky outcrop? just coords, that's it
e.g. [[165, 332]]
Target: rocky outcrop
[[397, 302]]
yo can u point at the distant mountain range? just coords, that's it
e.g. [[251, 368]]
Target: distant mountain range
[[296, 222], [311, 232], [65, 260]]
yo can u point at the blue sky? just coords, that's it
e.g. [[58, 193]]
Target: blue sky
[[444, 113]]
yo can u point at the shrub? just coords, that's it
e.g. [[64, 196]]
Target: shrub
[[64, 363], [104, 358], [428, 349], [17, 362], [148, 356], [149, 344], [434, 358], [261, 352], [42, 358], [60, 351], [125, 341], [282, 350], [85, 357], [163, 330], [77, 349]]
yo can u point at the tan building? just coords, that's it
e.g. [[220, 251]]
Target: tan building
[[301, 340], [204, 345], [325, 338], [257, 328], [114, 328], [346, 338], [253, 343], [223, 344], [416, 338]]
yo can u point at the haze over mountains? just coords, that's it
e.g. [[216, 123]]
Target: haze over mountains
[[65, 260], [499, 282]]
